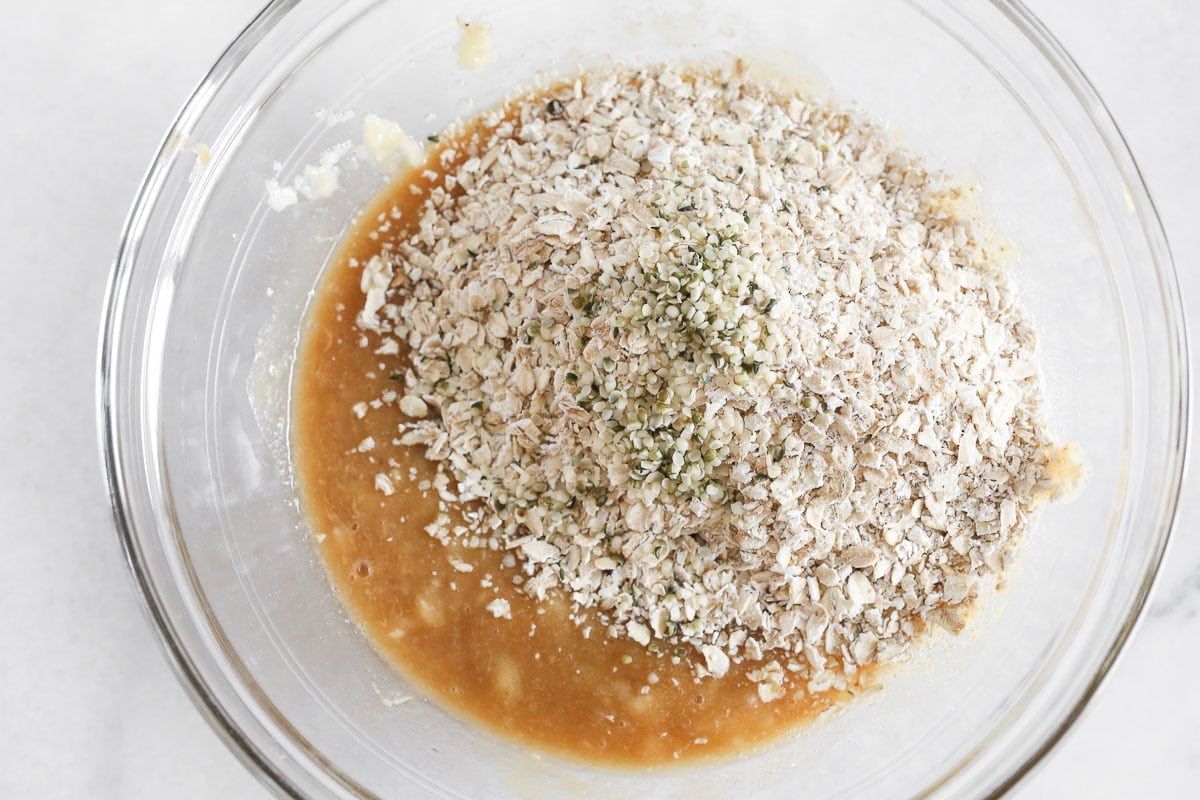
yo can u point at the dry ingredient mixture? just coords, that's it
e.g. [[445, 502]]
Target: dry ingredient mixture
[[727, 369]]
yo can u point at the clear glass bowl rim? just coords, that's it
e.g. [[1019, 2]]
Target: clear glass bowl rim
[[222, 722]]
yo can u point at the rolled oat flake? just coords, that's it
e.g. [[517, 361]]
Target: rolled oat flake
[[726, 366]]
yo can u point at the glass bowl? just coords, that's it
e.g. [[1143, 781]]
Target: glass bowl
[[210, 288]]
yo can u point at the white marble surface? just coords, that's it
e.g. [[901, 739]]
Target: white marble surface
[[88, 706]]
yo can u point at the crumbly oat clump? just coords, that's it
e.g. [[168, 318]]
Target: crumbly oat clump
[[728, 367]]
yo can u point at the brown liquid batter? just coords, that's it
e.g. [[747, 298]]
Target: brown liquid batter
[[538, 677]]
